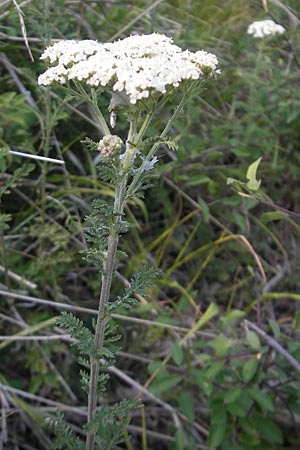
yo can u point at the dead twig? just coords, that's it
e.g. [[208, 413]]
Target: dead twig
[[273, 343]]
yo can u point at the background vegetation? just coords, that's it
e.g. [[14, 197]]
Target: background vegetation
[[229, 262]]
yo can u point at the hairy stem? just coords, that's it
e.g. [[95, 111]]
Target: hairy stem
[[99, 332], [112, 246], [155, 146]]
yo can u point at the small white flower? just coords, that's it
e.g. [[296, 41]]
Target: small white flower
[[264, 28], [137, 67], [57, 73]]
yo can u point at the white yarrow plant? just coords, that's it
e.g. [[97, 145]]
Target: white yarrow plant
[[142, 74], [262, 28], [138, 66]]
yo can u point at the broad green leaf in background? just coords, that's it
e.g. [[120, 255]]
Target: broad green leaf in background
[[249, 369], [177, 353], [272, 215], [204, 210], [253, 184], [186, 405], [232, 395], [165, 384], [211, 311], [297, 321], [275, 328], [269, 430], [253, 340], [264, 400]]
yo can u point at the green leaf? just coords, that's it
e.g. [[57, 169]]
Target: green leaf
[[232, 395], [213, 369], [273, 215], [241, 406], [177, 354], [253, 340], [235, 315], [269, 430], [179, 437], [240, 221], [7, 98], [160, 367], [211, 311], [165, 384], [198, 179], [216, 434], [275, 328], [297, 321], [186, 405], [249, 369], [204, 210], [253, 184], [263, 399], [221, 344]]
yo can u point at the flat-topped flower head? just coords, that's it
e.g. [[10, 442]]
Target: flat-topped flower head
[[262, 28], [137, 66]]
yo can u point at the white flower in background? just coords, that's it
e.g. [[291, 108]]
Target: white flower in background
[[264, 28], [137, 66]]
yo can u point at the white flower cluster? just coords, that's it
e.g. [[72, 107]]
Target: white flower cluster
[[264, 28], [137, 66]]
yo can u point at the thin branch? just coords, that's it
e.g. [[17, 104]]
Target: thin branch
[[141, 389], [18, 278], [68, 307], [63, 337], [39, 399], [41, 158], [274, 344]]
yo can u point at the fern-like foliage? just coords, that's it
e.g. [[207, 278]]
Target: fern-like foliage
[[111, 337], [83, 335], [4, 219], [103, 379], [138, 286], [111, 422], [91, 145], [100, 222], [65, 439], [13, 180], [167, 140], [108, 169]]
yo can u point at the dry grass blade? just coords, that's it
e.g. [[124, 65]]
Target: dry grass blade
[[136, 19], [23, 27]]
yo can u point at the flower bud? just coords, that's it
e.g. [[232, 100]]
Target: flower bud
[[109, 144]]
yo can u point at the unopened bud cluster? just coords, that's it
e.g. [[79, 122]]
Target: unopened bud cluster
[[109, 144]]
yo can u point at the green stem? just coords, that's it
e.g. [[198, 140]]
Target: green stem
[[99, 114], [91, 101], [143, 128], [113, 240], [99, 332], [155, 146]]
